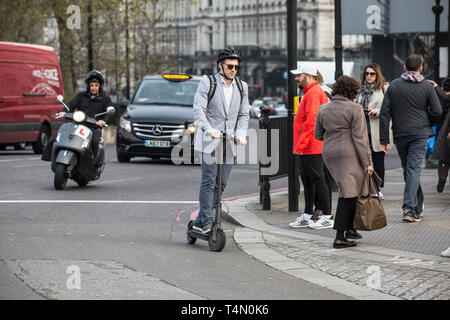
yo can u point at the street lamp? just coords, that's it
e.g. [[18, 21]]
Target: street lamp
[[338, 39], [293, 183], [437, 10]]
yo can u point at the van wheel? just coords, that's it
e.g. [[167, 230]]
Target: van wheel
[[42, 140], [60, 177]]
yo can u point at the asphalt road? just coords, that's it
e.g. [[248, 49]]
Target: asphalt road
[[129, 242]]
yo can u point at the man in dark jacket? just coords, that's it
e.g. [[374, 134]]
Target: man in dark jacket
[[92, 101], [413, 106]]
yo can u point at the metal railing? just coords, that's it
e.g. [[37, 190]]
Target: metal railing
[[269, 124]]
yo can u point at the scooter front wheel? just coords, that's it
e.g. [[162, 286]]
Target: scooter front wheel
[[218, 243], [60, 179], [190, 239]]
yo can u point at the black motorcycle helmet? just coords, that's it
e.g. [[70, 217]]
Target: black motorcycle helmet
[[96, 76], [230, 53]]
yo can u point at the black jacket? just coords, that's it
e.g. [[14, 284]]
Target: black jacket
[[442, 147], [90, 106], [413, 108], [444, 99]]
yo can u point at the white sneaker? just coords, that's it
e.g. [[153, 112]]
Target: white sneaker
[[446, 253], [324, 222], [301, 222]]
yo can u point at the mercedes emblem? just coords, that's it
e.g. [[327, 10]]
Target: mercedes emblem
[[157, 130]]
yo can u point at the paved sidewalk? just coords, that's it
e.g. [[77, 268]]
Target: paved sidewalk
[[400, 261]]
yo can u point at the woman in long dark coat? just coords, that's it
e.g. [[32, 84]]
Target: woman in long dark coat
[[346, 152], [442, 152], [442, 147]]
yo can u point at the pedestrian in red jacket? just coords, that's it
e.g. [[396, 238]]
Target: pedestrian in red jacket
[[309, 149]]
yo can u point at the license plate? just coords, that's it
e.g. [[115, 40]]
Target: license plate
[[157, 143]]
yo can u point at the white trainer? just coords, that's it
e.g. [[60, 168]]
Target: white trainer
[[446, 253], [302, 222], [324, 222]]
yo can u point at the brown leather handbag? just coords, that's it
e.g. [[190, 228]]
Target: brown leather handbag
[[370, 213]]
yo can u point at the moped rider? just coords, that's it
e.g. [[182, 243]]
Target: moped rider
[[91, 102]]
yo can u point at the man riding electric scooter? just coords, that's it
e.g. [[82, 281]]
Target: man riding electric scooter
[[222, 111]]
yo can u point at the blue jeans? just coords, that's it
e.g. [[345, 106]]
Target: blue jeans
[[208, 189], [412, 155]]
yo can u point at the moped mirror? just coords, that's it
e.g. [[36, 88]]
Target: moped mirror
[[110, 109], [60, 99]]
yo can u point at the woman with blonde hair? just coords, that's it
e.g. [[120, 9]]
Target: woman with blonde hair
[[370, 97]]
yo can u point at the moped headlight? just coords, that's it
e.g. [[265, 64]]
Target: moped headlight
[[79, 116], [125, 124]]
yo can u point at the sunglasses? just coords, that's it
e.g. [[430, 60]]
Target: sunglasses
[[231, 66], [371, 73]]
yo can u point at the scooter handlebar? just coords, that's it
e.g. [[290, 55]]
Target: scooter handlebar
[[224, 135], [69, 116]]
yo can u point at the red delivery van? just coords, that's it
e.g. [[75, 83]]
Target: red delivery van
[[30, 80]]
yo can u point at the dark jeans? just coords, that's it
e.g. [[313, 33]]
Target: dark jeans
[[412, 155], [378, 162], [312, 173], [208, 189], [329, 181], [345, 214]]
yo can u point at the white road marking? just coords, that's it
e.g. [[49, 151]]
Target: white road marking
[[19, 159], [102, 201], [30, 165], [11, 194], [118, 180]]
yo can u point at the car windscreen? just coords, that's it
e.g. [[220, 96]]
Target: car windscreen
[[161, 91]]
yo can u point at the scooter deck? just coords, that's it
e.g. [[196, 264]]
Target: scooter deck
[[198, 234]]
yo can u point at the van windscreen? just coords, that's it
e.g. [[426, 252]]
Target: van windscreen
[[159, 91]]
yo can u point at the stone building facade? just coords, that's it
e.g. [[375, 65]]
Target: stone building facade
[[194, 31]]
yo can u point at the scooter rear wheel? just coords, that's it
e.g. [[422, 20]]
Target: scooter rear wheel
[[190, 240], [219, 243], [60, 179]]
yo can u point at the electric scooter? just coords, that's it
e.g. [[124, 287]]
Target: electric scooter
[[216, 237]]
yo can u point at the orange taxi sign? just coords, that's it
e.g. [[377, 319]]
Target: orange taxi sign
[[176, 76]]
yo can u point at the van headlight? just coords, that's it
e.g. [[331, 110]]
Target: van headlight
[[190, 128], [79, 116], [125, 124]]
